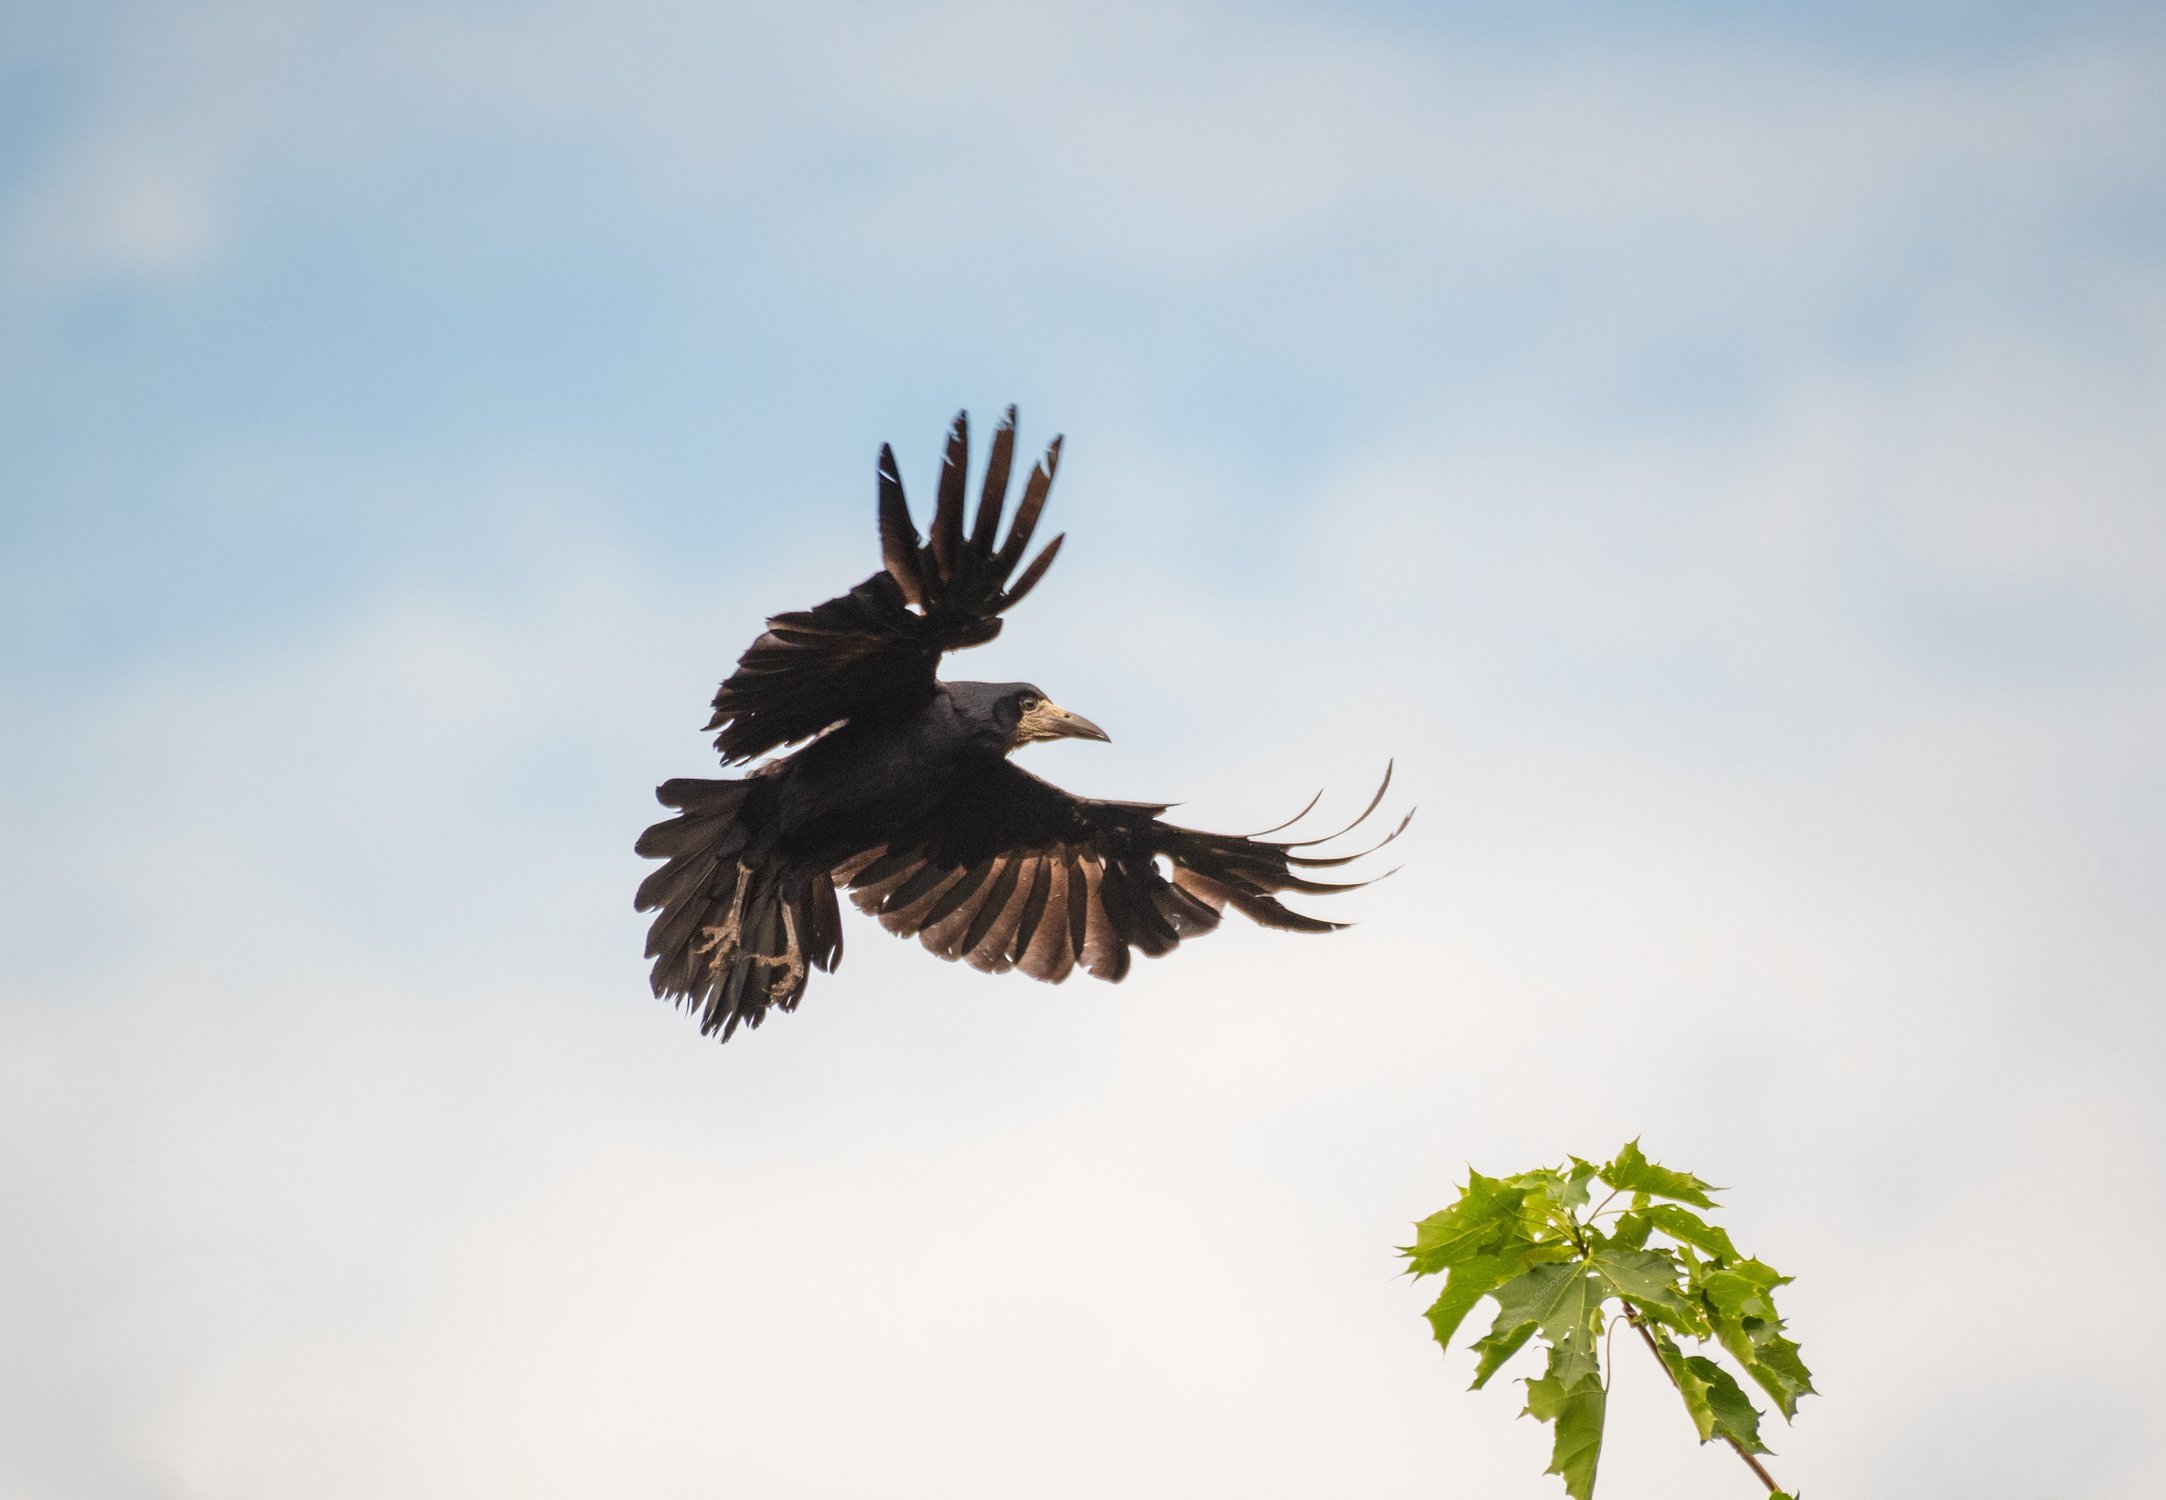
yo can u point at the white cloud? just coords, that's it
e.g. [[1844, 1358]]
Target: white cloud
[[1148, 137]]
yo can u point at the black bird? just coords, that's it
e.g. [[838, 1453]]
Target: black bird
[[906, 796]]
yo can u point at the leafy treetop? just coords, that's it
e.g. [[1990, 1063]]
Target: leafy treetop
[[1553, 1260]]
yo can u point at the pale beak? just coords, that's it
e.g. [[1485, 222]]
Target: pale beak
[[1049, 721]]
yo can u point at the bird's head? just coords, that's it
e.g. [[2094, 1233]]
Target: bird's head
[[1015, 714]]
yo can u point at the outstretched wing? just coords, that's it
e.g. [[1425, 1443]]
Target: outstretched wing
[[1009, 871], [875, 649]]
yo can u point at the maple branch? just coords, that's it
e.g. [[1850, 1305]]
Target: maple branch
[[1530, 1243], [1638, 1320]]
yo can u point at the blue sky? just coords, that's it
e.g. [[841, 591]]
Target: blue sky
[[1716, 452]]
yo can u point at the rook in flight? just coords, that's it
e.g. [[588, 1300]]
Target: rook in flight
[[906, 797]]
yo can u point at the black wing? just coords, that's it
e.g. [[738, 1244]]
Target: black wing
[[1012, 872], [875, 649]]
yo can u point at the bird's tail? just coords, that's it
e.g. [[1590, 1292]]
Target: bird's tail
[[735, 932]]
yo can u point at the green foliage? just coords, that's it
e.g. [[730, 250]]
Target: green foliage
[[1554, 1260]]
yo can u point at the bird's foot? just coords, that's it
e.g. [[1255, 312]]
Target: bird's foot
[[718, 944], [791, 960], [723, 943]]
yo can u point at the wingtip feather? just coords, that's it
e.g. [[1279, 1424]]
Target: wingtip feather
[[1033, 573], [947, 540], [899, 546]]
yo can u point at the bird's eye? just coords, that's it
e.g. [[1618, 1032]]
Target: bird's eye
[[1027, 702]]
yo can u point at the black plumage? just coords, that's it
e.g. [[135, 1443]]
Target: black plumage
[[905, 796]]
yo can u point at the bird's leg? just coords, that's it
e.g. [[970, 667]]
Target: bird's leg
[[791, 959], [719, 944], [724, 941]]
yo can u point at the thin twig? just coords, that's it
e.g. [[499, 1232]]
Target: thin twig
[[1639, 1321]]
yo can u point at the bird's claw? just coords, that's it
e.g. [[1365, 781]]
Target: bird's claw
[[721, 944], [718, 944], [790, 959]]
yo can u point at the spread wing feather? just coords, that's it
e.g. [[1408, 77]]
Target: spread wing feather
[[1010, 872], [875, 649]]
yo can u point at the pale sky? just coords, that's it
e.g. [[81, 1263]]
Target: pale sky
[[1716, 450]]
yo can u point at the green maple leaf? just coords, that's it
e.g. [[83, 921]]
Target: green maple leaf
[[1735, 1417], [1631, 1230], [1739, 1300], [1568, 1186], [1564, 1302], [1690, 1383], [1495, 1347], [1485, 1216], [1466, 1284], [1688, 1228], [1742, 1289], [1577, 1410], [1553, 1194], [1775, 1365], [1646, 1278], [1632, 1172]]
